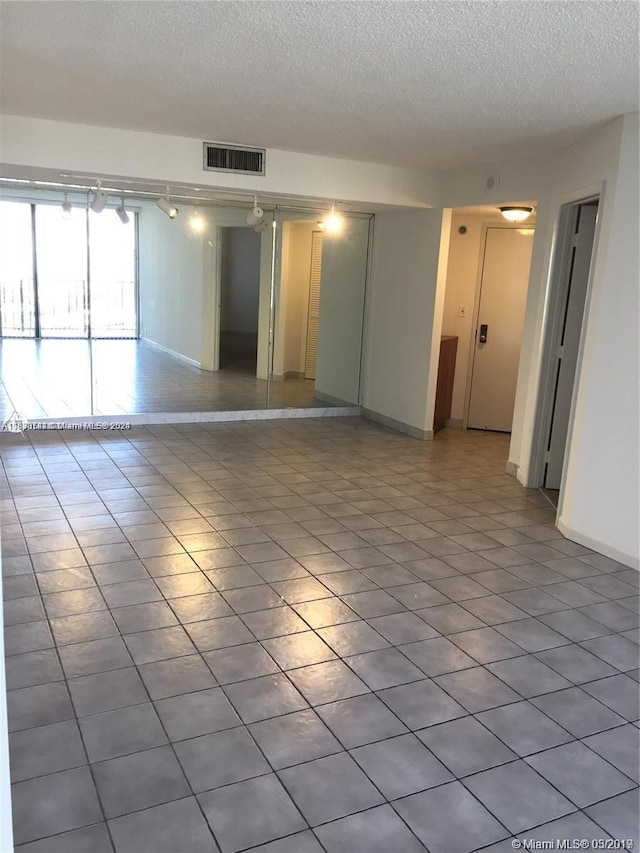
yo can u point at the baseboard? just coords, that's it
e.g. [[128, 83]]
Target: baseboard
[[179, 355], [511, 468], [456, 423], [602, 548], [400, 426]]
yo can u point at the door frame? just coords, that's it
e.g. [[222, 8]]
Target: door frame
[[556, 300], [476, 309]]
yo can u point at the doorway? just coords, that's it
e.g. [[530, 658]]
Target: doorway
[[495, 351], [564, 340], [239, 299]]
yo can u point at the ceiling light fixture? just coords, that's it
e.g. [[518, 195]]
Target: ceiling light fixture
[[196, 221], [333, 222], [260, 227], [164, 203], [66, 207], [123, 216], [516, 214], [255, 216], [100, 198]]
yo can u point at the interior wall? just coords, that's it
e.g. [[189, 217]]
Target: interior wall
[[29, 143], [293, 299], [172, 266], [400, 317], [240, 280], [463, 270]]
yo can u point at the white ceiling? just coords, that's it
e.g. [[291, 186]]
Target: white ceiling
[[435, 83]]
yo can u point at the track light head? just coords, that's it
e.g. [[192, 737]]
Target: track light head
[[167, 207], [260, 227], [100, 198], [123, 216], [66, 207], [255, 216]]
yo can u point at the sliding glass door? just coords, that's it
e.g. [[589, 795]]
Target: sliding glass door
[[17, 295], [112, 276]]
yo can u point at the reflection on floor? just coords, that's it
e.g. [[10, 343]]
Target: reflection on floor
[[238, 352], [313, 635], [52, 378]]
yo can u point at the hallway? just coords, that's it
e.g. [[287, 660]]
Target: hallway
[[306, 636]]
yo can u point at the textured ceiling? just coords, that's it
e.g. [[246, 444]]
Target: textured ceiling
[[437, 84]]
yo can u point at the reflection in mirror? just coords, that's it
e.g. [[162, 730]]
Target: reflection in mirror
[[319, 310]]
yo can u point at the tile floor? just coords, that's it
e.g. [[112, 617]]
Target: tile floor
[[307, 636], [64, 378]]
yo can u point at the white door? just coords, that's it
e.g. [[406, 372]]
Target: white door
[[569, 342], [503, 295], [313, 317]]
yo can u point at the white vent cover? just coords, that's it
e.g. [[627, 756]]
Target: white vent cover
[[240, 159]]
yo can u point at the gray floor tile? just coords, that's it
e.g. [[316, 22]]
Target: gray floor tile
[[576, 664], [179, 825], [523, 728], [437, 656], [518, 796], [378, 830], [494, 610], [619, 692], [354, 638], [400, 628], [329, 788], [275, 622], [400, 766], [528, 676], [121, 732], [532, 635], [32, 668], [615, 650], [450, 618], [138, 781], [476, 689], [83, 627], [40, 705], [619, 816], [300, 842], [27, 637], [581, 775], [327, 682], [131, 593], [239, 663], [198, 713], [261, 698], [373, 603], [621, 747], [612, 615], [360, 720], [325, 612], [52, 804], [176, 676], [296, 650], [219, 633], [577, 712], [48, 749], [94, 656], [384, 668], [294, 738], [574, 625], [106, 691], [159, 644], [576, 825], [220, 759], [250, 813], [465, 746], [468, 826], [88, 839], [198, 608], [421, 704]]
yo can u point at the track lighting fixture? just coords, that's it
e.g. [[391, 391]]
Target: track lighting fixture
[[123, 216], [100, 198], [165, 205], [66, 207], [516, 213], [260, 227], [196, 221], [255, 216]]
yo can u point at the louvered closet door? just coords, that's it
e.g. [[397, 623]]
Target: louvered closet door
[[314, 305]]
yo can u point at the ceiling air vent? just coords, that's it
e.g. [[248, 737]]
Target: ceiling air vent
[[233, 158]]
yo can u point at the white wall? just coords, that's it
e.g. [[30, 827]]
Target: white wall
[[400, 316], [173, 262], [28, 143], [240, 281], [6, 825]]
